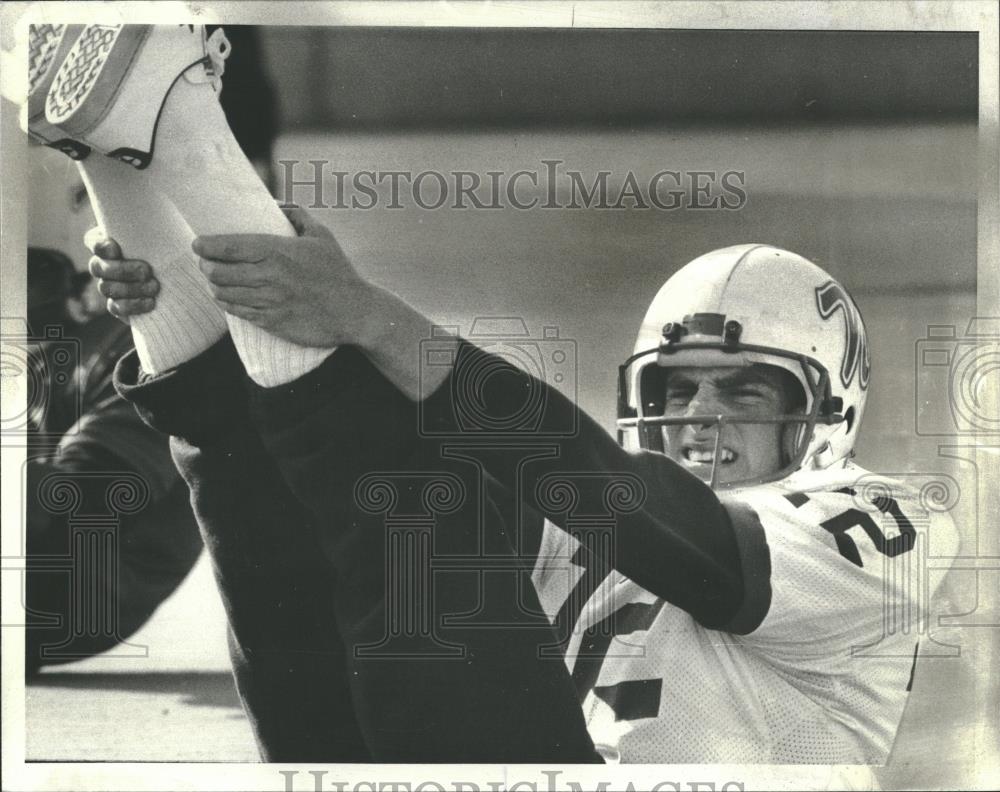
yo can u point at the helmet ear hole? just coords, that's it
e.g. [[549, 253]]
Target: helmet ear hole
[[652, 390], [651, 401]]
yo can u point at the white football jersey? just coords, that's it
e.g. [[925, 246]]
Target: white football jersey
[[820, 659]]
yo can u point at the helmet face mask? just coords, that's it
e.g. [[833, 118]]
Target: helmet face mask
[[721, 311], [652, 417]]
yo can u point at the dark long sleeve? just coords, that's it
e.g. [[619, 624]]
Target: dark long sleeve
[[673, 535], [277, 588], [362, 457]]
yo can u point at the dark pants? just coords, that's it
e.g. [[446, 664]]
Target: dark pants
[[309, 566]]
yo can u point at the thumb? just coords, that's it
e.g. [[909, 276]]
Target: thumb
[[101, 245], [305, 224], [92, 238], [108, 249]]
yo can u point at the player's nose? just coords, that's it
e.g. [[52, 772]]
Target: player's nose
[[705, 401]]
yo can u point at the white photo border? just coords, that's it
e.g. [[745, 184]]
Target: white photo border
[[982, 16]]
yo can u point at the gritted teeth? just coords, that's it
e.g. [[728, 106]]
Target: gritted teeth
[[702, 456]]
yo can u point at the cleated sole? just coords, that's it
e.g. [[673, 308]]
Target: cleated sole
[[92, 74], [48, 46], [111, 87]]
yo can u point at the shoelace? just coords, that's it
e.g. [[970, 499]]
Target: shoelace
[[217, 49]]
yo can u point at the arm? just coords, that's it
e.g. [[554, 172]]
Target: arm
[[679, 545], [410, 708], [464, 692], [844, 567], [275, 584]]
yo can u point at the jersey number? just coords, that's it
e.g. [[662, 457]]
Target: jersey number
[[856, 518], [630, 700]]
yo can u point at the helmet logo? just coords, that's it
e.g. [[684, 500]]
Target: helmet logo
[[830, 298]]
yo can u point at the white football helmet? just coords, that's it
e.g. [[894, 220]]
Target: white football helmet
[[745, 305]]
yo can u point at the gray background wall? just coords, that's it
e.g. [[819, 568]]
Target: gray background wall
[[444, 77], [890, 211], [859, 150]]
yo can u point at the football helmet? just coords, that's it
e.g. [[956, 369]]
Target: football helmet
[[746, 305]]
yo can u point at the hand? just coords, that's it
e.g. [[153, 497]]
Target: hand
[[128, 284], [303, 288]]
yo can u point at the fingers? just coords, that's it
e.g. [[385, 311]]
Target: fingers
[[128, 284], [248, 297], [303, 222], [234, 248], [120, 290], [253, 315], [125, 270], [123, 309], [252, 274]]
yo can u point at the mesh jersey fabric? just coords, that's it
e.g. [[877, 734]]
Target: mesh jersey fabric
[[822, 679]]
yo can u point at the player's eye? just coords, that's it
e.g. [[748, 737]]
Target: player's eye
[[679, 396], [751, 396]]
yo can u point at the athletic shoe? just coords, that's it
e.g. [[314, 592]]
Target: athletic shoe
[[111, 86]]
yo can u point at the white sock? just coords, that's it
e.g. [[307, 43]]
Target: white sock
[[198, 165], [186, 320]]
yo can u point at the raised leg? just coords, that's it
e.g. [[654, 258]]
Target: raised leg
[[186, 320], [200, 168]]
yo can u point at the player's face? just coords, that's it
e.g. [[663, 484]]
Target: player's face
[[746, 450]]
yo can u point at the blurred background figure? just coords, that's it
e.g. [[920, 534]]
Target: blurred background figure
[[52, 289], [86, 439], [87, 300], [58, 292]]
